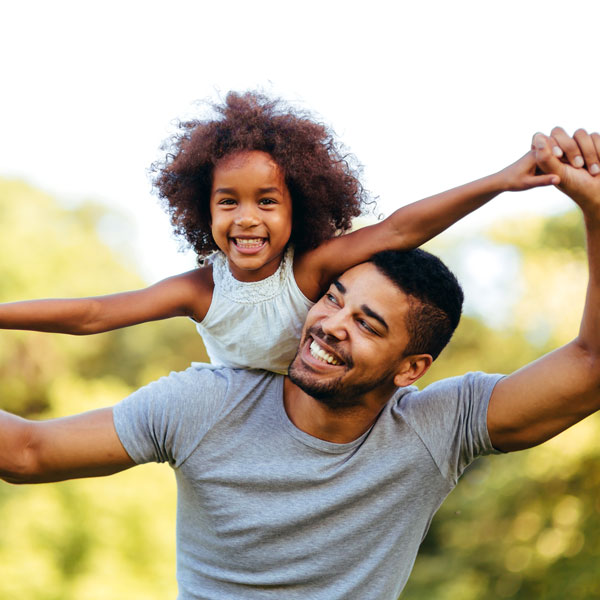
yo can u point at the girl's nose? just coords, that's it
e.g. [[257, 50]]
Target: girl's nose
[[246, 217]]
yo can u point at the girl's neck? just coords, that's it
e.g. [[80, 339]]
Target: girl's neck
[[247, 273]]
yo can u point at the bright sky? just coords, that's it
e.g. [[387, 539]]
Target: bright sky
[[427, 95]]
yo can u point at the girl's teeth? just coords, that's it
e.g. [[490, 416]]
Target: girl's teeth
[[319, 353], [249, 243]]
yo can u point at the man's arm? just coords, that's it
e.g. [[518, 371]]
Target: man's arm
[[84, 445], [558, 390]]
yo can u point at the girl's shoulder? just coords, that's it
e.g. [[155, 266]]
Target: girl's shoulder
[[308, 273], [196, 287], [200, 276]]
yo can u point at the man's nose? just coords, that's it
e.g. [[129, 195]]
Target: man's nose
[[336, 325]]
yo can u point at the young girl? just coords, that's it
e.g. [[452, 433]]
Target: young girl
[[264, 192]]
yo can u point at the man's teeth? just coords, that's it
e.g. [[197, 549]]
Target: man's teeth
[[318, 352], [249, 242]]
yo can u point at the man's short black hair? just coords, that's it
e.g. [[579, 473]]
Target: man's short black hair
[[435, 297]]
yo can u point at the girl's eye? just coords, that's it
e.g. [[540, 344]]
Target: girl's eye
[[266, 201], [227, 201]]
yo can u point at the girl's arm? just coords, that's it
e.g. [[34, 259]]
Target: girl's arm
[[411, 225], [188, 294]]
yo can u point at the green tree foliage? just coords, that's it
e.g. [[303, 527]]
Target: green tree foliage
[[105, 538]]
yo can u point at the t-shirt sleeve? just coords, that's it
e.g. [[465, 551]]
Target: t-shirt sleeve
[[450, 417], [166, 420]]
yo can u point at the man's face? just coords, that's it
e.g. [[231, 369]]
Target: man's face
[[353, 339]]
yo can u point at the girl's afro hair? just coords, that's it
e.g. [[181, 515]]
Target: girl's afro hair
[[324, 186]]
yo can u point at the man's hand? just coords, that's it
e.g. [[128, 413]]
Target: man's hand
[[576, 161]]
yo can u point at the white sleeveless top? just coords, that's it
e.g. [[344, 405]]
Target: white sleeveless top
[[254, 324]]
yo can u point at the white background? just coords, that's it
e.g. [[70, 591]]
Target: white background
[[427, 95]]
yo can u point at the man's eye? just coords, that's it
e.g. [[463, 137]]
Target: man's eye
[[329, 296], [364, 325]]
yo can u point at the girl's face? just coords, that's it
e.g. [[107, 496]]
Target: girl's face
[[251, 213]]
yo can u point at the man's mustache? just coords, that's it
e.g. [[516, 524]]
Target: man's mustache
[[316, 332]]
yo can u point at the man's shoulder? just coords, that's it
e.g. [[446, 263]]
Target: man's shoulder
[[468, 387], [226, 378], [206, 371], [204, 383], [450, 418], [166, 419]]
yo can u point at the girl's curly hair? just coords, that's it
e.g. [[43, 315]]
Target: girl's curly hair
[[324, 186]]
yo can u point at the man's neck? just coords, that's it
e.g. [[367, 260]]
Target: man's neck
[[337, 425]]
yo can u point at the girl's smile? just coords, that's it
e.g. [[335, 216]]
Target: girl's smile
[[251, 212]]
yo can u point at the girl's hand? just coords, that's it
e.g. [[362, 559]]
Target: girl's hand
[[524, 175], [566, 157]]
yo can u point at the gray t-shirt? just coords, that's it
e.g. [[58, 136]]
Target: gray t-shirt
[[268, 511]]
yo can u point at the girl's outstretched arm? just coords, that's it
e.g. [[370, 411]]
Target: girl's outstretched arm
[[411, 225], [188, 294]]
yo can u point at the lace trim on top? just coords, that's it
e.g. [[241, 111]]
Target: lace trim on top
[[250, 292]]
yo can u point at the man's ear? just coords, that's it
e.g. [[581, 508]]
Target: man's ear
[[411, 368]]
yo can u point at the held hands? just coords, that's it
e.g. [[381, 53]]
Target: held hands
[[576, 161], [524, 175]]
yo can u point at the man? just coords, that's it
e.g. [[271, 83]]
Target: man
[[323, 484]]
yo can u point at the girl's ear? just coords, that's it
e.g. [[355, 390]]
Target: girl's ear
[[411, 368]]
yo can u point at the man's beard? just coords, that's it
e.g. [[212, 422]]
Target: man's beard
[[334, 393]]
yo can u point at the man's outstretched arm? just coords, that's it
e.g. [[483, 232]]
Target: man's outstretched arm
[[546, 397], [84, 445]]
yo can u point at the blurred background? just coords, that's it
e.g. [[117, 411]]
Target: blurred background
[[427, 96]]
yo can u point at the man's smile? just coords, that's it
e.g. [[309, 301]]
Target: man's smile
[[319, 353]]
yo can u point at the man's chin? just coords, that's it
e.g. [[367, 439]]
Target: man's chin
[[307, 380], [329, 392]]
